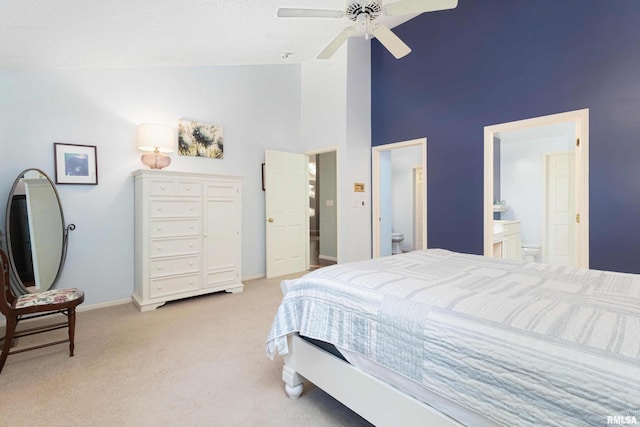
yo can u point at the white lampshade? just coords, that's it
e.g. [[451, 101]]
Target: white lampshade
[[154, 137]]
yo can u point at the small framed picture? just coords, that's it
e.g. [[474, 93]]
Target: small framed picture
[[76, 164]]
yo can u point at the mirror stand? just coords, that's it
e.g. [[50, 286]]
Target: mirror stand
[[36, 233], [65, 243]]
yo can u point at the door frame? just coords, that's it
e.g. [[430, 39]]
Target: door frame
[[416, 170], [581, 120], [338, 201], [375, 185]]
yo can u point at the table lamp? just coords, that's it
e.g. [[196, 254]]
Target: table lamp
[[157, 139]]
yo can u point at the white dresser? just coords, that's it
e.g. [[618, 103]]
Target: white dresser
[[187, 236]]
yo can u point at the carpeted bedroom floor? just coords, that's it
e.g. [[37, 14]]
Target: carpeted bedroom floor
[[194, 362]]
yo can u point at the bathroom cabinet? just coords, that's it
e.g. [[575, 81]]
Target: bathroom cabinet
[[187, 236], [511, 245]]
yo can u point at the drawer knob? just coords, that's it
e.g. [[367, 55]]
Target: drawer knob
[[159, 228], [191, 227], [159, 209], [159, 267], [159, 286], [159, 249]]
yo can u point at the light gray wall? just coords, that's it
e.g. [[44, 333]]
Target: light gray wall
[[357, 161], [258, 107], [336, 102]]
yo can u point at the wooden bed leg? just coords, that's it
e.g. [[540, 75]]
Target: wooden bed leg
[[292, 382]]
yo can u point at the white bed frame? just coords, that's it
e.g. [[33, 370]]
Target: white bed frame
[[376, 401]]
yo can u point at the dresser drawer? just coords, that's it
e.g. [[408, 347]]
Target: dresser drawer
[[169, 187], [163, 187], [173, 247], [174, 285], [174, 228], [189, 188], [221, 276], [160, 267], [174, 208]]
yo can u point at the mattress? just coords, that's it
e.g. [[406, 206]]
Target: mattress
[[517, 343]]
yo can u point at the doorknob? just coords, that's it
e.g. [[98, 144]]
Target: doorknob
[[270, 220]]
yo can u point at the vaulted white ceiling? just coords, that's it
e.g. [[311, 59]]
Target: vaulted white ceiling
[[54, 34]]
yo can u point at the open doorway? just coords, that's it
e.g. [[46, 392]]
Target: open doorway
[[536, 189], [399, 197], [323, 209]]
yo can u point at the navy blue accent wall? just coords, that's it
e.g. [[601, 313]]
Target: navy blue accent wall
[[494, 61]]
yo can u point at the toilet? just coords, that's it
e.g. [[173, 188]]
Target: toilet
[[529, 252], [396, 239]]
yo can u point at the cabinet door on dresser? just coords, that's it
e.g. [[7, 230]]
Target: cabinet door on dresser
[[221, 237]]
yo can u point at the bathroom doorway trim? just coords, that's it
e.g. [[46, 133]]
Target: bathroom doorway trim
[[581, 120], [375, 184]]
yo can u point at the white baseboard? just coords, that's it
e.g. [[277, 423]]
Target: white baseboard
[[82, 307], [328, 258], [254, 277], [103, 304]]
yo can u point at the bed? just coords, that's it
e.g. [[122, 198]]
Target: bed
[[441, 338]]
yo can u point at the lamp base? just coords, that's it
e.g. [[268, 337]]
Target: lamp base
[[156, 161]]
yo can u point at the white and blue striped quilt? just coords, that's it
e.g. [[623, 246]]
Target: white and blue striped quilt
[[519, 343]]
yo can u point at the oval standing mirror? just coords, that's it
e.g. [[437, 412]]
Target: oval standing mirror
[[36, 232]]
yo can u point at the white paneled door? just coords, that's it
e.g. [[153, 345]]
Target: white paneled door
[[560, 245], [287, 219]]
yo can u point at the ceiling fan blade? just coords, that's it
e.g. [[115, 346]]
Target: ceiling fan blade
[[336, 43], [285, 12], [397, 47], [411, 7]]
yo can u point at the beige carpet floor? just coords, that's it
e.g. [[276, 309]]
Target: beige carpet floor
[[194, 362]]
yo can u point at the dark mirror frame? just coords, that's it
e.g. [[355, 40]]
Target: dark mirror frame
[[16, 283]]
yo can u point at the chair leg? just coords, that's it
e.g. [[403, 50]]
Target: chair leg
[[71, 316], [8, 339]]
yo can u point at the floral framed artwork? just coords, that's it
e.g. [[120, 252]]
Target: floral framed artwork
[[200, 139], [76, 164]]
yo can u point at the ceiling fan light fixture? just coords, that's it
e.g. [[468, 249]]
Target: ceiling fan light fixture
[[371, 9], [364, 13]]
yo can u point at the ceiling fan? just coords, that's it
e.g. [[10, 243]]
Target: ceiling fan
[[364, 13]]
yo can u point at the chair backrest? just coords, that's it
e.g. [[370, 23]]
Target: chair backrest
[[6, 297]]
